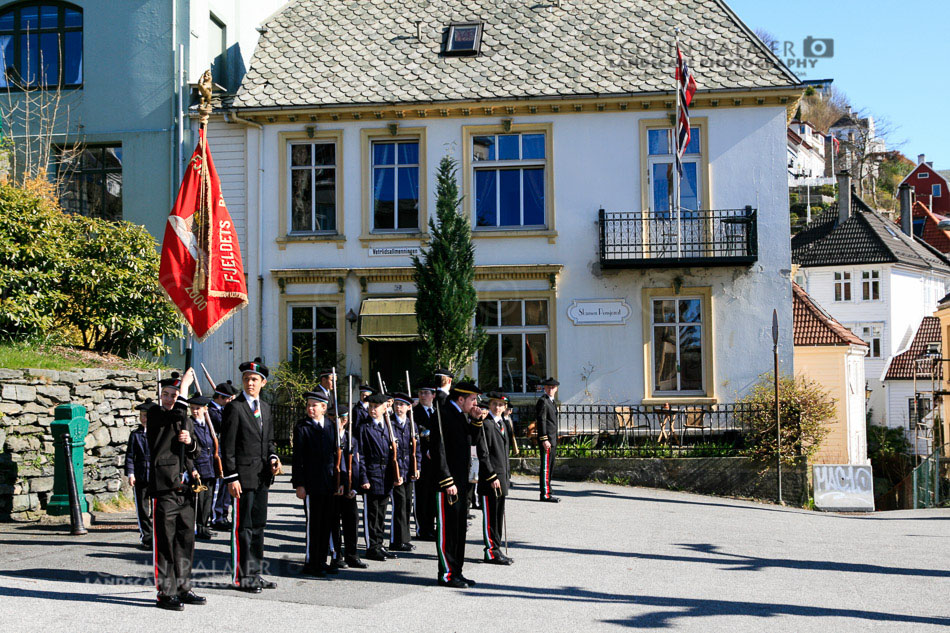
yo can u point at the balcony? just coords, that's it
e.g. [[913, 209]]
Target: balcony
[[724, 237]]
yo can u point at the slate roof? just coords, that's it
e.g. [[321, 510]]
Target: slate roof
[[364, 52], [813, 326], [902, 366], [866, 237]]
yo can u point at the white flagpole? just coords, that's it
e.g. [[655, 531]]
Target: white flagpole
[[676, 158]]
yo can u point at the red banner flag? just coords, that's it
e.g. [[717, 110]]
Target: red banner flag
[[201, 267]]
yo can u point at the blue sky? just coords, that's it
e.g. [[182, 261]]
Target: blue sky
[[887, 59]]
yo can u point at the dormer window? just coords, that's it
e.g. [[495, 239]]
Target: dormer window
[[463, 39]]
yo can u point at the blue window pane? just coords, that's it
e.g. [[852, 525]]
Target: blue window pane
[[689, 198], [7, 61], [662, 177], [693, 147], [73, 18], [384, 153], [485, 207], [408, 198], [6, 21], [384, 210], [484, 147], [533, 197], [49, 58], [659, 142], [49, 17], [72, 58], [509, 188], [29, 57], [29, 18], [532, 146], [408, 153], [508, 146]]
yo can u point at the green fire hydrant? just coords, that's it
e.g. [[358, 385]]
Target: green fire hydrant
[[69, 418]]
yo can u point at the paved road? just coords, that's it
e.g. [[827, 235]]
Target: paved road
[[607, 558]]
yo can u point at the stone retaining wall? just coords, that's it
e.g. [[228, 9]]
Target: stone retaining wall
[[724, 476], [27, 400]]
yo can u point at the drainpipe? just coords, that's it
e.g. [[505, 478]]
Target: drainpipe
[[233, 117]]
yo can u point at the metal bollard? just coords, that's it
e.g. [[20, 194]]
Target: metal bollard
[[75, 515]]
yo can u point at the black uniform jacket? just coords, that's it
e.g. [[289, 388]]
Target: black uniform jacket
[[136, 457], [404, 443], [376, 457], [424, 423], [354, 466], [497, 440], [359, 414], [452, 448], [315, 449], [216, 413], [546, 416], [204, 463], [169, 457], [247, 447]]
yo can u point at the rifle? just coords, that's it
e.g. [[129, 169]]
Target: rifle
[[336, 422], [392, 437], [412, 430], [207, 377], [218, 466], [349, 456]]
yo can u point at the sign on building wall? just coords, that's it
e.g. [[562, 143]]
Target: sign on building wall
[[394, 251], [843, 488], [598, 311]]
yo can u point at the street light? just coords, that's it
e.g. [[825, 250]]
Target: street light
[[778, 422]]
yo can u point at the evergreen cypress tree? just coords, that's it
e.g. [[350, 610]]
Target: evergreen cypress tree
[[445, 282]]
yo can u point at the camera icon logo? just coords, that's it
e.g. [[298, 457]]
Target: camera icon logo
[[818, 47]]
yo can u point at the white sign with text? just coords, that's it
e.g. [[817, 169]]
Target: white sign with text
[[843, 488], [394, 251], [598, 311]]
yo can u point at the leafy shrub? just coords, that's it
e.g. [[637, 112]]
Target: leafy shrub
[[805, 407]]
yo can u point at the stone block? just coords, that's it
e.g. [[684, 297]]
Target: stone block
[[94, 374], [122, 404], [32, 407], [108, 472], [24, 502], [110, 394], [21, 443], [103, 407], [24, 393], [83, 391], [47, 376], [102, 436], [43, 401], [90, 442], [142, 394], [10, 408], [59, 393], [41, 484], [107, 451], [114, 485], [3, 438], [120, 434], [32, 418], [10, 374], [70, 377], [94, 485]]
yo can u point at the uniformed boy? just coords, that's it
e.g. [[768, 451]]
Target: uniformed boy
[[221, 504], [204, 464], [316, 480], [400, 536], [546, 421], [345, 531], [360, 411], [498, 432], [137, 470], [172, 450], [377, 475], [424, 416]]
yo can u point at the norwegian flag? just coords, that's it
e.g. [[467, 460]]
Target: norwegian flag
[[686, 86], [201, 268]]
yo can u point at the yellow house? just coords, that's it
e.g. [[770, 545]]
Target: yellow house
[[943, 314], [829, 353]]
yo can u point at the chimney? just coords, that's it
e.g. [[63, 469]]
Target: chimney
[[903, 196], [920, 159], [844, 195]]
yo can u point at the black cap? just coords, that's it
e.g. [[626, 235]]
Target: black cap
[[444, 372], [426, 385], [225, 389], [200, 401], [549, 382], [378, 398], [173, 381], [255, 366], [367, 389], [316, 395], [326, 373], [496, 395], [145, 406], [402, 397], [462, 389]]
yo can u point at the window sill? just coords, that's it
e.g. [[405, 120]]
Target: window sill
[[515, 232], [680, 400], [311, 238], [366, 238]]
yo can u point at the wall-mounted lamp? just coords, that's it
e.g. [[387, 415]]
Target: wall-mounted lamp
[[351, 317]]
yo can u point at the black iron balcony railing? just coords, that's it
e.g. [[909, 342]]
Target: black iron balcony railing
[[723, 237]]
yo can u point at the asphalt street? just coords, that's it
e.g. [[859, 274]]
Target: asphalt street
[[606, 558]]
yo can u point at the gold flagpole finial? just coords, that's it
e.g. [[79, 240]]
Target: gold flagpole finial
[[205, 88]]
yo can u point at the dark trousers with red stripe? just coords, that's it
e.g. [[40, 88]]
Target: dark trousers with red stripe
[[425, 500], [247, 541], [493, 513], [546, 470], [173, 517], [451, 525]]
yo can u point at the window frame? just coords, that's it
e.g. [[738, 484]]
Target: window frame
[[923, 174], [846, 286], [61, 30], [936, 190], [289, 301], [523, 330], [66, 177], [469, 132], [695, 158], [497, 166], [396, 165], [704, 196], [447, 49], [912, 409], [707, 395], [285, 235], [859, 327], [367, 136], [224, 74], [870, 281]]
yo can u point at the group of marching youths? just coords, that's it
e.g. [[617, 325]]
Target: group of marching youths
[[430, 457]]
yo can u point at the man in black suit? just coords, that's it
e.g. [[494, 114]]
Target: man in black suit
[[172, 450], [407, 442], [137, 470], [498, 431], [327, 387], [546, 420], [444, 378], [345, 528], [377, 475], [250, 461], [452, 438], [424, 416], [315, 479]]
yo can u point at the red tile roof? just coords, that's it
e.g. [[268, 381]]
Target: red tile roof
[[936, 237], [814, 326], [902, 366]]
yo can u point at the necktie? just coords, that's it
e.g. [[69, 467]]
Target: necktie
[[257, 414]]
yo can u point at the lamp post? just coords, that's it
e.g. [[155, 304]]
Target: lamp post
[[778, 422]]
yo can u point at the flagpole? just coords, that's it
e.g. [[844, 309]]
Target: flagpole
[[674, 138]]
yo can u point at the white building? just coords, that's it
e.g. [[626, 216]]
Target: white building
[[910, 379], [806, 155], [558, 116], [876, 280]]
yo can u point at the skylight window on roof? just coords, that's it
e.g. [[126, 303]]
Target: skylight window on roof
[[464, 39]]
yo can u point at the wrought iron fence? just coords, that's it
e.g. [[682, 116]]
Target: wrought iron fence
[[285, 417], [706, 237]]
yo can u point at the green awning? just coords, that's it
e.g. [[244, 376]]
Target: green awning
[[388, 320]]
